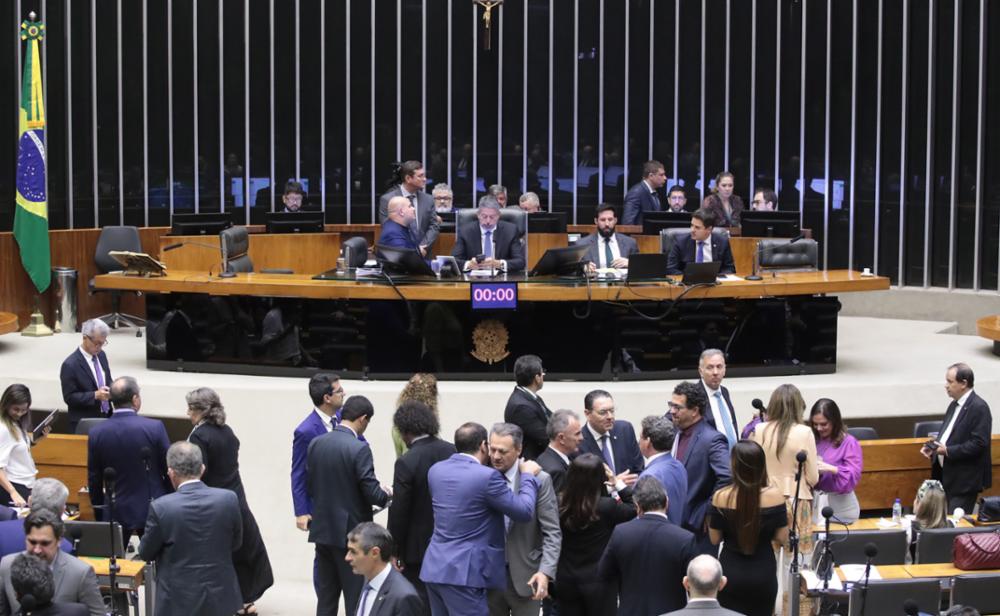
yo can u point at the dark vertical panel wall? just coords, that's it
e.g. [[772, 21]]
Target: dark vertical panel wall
[[897, 133]]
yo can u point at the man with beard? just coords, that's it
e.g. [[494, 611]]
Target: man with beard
[[607, 248]]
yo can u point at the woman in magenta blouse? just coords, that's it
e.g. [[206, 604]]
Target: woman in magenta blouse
[[839, 462]]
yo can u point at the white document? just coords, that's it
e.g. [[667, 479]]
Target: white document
[[814, 583], [856, 573]]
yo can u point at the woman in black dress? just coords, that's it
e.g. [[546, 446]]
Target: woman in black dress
[[750, 517], [587, 515], [220, 449]]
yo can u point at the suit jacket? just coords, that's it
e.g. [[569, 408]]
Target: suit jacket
[[967, 469], [710, 417], [534, 546], [426, 226], [673, 476], [704, 608], [553, 464], [684, 252], [74, 582], [624, 446], [79, 385], [707, 463], [411, 516], [470, 501], [118, 443], [509, 245], [311, 427], [61, 609], [340, 475], [192, 534], [397, 597], [12, 538], [639, 200], [396, 235], [714, 204], [648, 558], [626, 246], [532, 416]]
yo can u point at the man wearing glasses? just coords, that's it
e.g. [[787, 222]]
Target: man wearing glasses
[[676, 199], [86, 377], [327, 397]]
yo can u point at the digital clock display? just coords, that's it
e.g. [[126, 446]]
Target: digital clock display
[[494, 295]]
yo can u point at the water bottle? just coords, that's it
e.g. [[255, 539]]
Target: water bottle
[[897, 511]]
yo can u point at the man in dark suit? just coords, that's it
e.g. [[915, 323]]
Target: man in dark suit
[[643, 196], [613, 440], [701, 246], [703, 582], [712, 368], [466, 556], [495, 240], [409, 182], [656, 439], [31, 576], [85, 375], [411, 517], [525, 407], [565, 437], [646, 557], [327, 396], [397, 229], [293, 199], [961, 453], [341, 478], [192, 534], [607, 248], [136, 448], [385, 592], [703, 451]]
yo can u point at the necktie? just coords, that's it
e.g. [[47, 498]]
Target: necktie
[[488, 244], [608, 257], [700, 257], [727, 422], [545, 409], [364, 599], [606, 452], [416, 212], [506, 519], [100, 382], [656, 200]]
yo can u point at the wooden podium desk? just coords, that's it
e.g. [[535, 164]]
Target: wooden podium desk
[[64, 457]]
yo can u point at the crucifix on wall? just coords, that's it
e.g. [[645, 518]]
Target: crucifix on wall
[[488, 6]]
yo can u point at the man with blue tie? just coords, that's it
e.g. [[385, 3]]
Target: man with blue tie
[[488, 242], [643, 197], [701, 246], [470, 499], [397, 231], [712, 368], [85, 375]]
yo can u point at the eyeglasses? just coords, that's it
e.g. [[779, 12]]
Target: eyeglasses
[[674, 406], [98, 343], [334, 392]]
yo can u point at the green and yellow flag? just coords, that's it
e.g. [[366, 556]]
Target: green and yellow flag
[[31, 216]]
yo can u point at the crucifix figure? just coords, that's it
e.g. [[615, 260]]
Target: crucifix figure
[[487, 20]]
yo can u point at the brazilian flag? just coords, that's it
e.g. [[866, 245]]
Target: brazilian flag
[[31, 216]]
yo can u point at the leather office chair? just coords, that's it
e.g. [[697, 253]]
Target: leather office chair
[[979, 590], [887, 596], [934, 545], [668, 237], [801, 256], [922, 429], [849, 548], [358, 247], [112, 239], [234, 243], [85, 425], [863, 433]]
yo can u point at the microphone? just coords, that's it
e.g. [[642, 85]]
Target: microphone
[[801, 456], [910, 607], [146, 454], [757, 404], [110, 476], [171, 247], [28, 603], [201, 244], [871, 550], [75, 534], [824, 568]]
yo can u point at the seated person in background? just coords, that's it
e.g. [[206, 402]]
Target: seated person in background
[[294, 196], [764, 200], [701, 246], [726, 206], [607, 248], [529, 203], [930, 510], [676, 199], [396, 230], [499, 192], [495, 241], [444, 199]]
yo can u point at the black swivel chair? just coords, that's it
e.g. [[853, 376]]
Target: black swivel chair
[[234, 243], [934, 545], [884, 597], [922, 429], [977, 590], [114, 239], [849, 548], [802, 256], [863, 433]]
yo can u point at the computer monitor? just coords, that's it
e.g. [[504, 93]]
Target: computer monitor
[[402, 261], [447, 220], [295, 222], [769, 224], [547, 222], [200, 224], [567, 260], [654, 222]]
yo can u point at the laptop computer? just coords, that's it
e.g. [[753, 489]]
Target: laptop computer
[[700, 273], [649, 266]]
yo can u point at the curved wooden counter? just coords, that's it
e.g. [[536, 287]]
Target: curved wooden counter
[[8, 322], [989, 328]]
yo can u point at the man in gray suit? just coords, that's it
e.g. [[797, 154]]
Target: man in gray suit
[[75, 580], [385, 592], [703, 582], [409, 181], [192, 534], [607, 248], [532, 547]]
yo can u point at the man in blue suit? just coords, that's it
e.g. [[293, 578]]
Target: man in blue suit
[[701, 246], [136, 448], [704, 452], [327, 396], [643, 197], [85, 375], [396, 229], [656, 439], [472, 506], [611, 439]]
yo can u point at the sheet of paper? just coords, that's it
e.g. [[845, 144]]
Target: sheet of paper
[[856, 573], [730, 278], [814, 583]]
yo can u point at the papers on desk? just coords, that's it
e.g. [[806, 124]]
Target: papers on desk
[[813, 582], [856, 573], [610, 272], [730, 278], [483, 273]]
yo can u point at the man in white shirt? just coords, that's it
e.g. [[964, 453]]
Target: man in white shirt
[[608, 249], [369, 548], [488, 242], [327, 396], [85, 375], [712, 368], [703, 582]]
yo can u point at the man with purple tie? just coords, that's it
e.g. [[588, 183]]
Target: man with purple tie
[[701, 246], [85, 375]]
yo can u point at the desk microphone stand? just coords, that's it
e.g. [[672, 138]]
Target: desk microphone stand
[[825, 565], [794, 576], [109, 488]]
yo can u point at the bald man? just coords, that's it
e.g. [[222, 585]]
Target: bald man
[[396, 230]]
